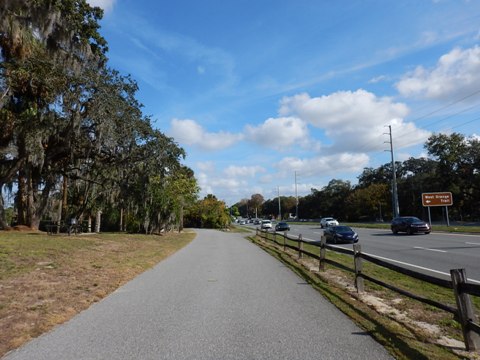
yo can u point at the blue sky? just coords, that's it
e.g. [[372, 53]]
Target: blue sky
[[256, 91]]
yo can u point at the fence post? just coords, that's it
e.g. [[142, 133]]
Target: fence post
[[323, 241], [357, 260], [465, 309], [300, 246]]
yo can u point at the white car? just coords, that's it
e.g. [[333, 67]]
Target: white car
[[266, 224], [328, 221]]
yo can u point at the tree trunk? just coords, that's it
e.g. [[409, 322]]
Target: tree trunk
[[3, 220], [121, 219], [20, 199], [98, 219], [64, 198]]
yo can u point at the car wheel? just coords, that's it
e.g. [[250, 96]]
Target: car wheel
[[395, 231], [409, 231], [335, 239], [427, 232]]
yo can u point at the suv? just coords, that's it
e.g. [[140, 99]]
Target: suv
[[410, 225], [328, 221]]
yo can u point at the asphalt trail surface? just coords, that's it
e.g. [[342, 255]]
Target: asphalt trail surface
[[220, 297]]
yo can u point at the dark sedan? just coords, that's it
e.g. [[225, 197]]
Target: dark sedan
[[282, 226], [340, 234], [410, 225]]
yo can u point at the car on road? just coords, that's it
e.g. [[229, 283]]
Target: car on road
[[266, 224], [340, 234], [328, 221], [282, 226], [410, 225]]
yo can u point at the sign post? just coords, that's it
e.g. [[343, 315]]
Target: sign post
[[437, 199]]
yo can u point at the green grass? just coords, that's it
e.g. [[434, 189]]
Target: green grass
[[419, 311], [20, 252]]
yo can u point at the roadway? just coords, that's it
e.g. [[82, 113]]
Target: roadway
[[433, 254], [220, 297]]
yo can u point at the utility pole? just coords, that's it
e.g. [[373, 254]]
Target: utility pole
[[296, 198], [395, 206]]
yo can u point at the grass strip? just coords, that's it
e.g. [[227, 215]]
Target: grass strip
[[403, 341]]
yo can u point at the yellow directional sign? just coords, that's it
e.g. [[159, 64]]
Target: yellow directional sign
[[437, 199]]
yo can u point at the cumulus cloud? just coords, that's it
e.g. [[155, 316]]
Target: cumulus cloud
[[189, 132], [233, 188], [106, 5], [456, 73], [353, 120], [329, 165], [278, 133], [243, 171]]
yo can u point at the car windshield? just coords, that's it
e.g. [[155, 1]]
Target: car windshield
[[411, 220], [342, 229]]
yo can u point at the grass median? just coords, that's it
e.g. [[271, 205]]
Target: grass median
[[45, 280]]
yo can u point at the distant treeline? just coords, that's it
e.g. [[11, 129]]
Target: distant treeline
[[453, 166]]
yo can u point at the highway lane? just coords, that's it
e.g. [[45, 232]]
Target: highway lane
[[434, 254]]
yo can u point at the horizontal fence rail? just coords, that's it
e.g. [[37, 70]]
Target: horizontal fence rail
[[463, 313]]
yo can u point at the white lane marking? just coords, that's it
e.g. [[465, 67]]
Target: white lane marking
[[422, 248], [469, 243], [419, 267], [408, 264], [315, 232], [454, 233]]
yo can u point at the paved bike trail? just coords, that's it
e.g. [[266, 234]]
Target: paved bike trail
[[220, 297]]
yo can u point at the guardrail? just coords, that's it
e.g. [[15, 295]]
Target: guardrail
[[463, 313]]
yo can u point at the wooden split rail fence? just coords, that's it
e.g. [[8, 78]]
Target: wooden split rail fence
[[463, 313]]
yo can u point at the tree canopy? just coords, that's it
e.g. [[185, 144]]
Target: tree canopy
[[74, 139]]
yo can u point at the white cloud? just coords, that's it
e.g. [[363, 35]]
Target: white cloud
[[243, 171], [221, 186], [189, 132], [378, 79], [354, 121], [206, 166], [278, 133], [330, 165], [456, 73], [106, 5]]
